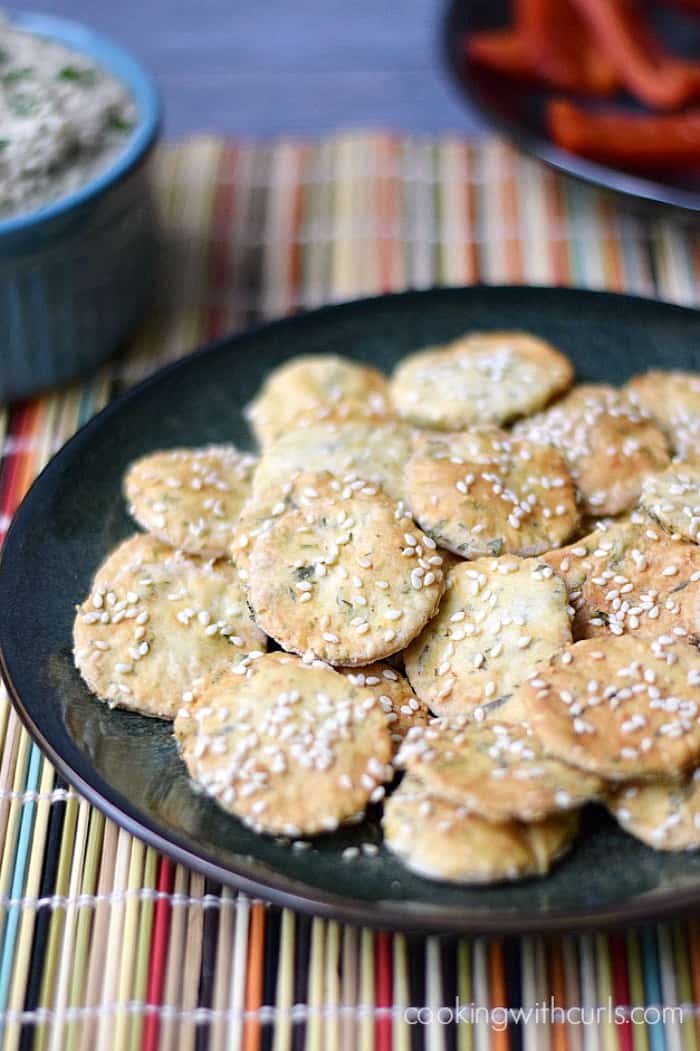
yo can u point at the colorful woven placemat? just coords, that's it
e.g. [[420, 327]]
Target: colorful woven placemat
[[106, 945]]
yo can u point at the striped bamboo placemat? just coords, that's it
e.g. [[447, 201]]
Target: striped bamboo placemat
[[103, 943]]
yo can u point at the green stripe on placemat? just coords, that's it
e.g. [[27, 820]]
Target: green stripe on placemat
[[106, 945]]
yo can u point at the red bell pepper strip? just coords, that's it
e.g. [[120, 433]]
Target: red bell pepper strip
[[645, 67], [510, 52], [503, 51], [563, 48], [640, 141]]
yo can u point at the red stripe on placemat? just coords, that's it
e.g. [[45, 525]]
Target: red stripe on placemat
[[621, 987], [159, 954], [383, 963], [296, 257], [15, 478], [558, 247]]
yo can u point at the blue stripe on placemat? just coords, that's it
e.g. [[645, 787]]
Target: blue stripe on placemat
[[24, 842]]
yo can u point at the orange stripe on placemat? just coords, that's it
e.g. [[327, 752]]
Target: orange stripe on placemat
[[254, 977], [159, 955], [296, 256], [558, 247], [499, 1040], [472, 271], [614, 266], [510, 201], [557, 987], [219, 259]]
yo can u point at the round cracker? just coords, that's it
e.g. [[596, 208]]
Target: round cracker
[[608, 442], [672, 498], [310, 384], [625, 709], [631, 578], [351, 446], [499, 617], [484, 377], [157, 619], [498, 770], [663, 814], [291, 747], [481, 492], [393, 692], [263, 508], [350, 579], [437, 838], [672, 399], [190, 498]]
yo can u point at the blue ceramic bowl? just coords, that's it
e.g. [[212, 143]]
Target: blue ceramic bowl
[[75, 275]]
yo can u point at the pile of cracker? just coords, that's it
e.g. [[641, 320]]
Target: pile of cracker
[[482, 590]]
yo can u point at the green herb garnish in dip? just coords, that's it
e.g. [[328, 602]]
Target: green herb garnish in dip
[[63, 120]]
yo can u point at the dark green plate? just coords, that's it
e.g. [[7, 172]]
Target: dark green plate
[[127, 765]]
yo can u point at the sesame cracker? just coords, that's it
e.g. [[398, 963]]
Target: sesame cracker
[[496, 769], [439, 839], [292, 747], [154, 621], [362, 535], [499, 617], [663, 814], [190, 498], [622, 707], [482, 493], [310, 384], [489, 377], [608, 442]]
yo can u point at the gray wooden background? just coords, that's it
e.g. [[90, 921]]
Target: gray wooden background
[[265, 67]]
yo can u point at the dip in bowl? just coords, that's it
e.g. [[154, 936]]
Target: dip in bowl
[[78, 120]]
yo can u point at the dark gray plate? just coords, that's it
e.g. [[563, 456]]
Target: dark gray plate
[[127, 765]]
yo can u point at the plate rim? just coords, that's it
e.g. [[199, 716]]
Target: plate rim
[[615, 180], [279, 889]]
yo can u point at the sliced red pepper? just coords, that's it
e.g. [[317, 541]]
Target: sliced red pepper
[[503, 51], [563, 48], [641, 141], [645, 67], [511, 52]]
